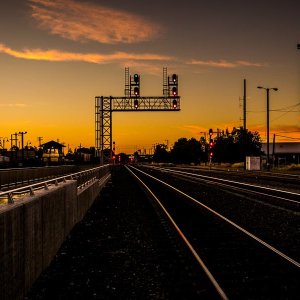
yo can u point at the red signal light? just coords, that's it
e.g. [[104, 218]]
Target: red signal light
[[174, 103], [174, 91], [136, 91]]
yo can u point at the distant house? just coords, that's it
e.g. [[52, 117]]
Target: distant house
[[283, 153], [53, 152]]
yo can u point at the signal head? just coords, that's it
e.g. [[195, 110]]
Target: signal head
[[174, 91], [174, 78], [136, 91], [174, 104], [136, 104], [136, 78]]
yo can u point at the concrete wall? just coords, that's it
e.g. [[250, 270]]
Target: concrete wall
[[32, 230]]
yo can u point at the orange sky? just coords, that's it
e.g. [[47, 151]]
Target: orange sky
[[56, 56]]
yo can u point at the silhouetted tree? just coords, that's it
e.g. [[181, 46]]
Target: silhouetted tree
[[161, 154], [187, 151], [235, 146]]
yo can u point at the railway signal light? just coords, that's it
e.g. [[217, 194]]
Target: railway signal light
[[136, 78], [174, 103], [174, 91], [174, 78], [210, 131], [136, 104], [136, 91], [173, 85], [135, 85]]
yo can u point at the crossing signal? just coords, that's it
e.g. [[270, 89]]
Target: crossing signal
[[136, 104]]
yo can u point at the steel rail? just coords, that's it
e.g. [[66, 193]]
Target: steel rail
[[272, 174], [184, 238], [230, 181], [268, 246], [210, 181], [83, 178]]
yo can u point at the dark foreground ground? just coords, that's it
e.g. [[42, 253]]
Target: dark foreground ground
[[119, 251]]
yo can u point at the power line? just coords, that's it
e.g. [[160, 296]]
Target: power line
[[288, 131], [287, 137], [287, 108]]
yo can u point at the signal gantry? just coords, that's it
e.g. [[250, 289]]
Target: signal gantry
[[132, 101]]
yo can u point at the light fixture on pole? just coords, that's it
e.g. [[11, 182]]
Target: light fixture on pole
[[268, 121]]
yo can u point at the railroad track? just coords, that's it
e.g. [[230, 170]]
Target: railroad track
[[285, 196], [286, 181], [241, 259]]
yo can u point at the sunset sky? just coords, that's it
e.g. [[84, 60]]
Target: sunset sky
[[57, 55]]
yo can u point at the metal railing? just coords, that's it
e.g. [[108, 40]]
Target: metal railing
[[16, 177], [83, 178]]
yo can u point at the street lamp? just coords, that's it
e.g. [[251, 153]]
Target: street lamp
[[268, 121]]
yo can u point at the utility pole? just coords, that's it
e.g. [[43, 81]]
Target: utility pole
[[245, 106], [273, 154], [22, 133], [40, 138], [268, 122], [15, 139]]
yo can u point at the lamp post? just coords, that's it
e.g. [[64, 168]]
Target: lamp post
[[268, 122]]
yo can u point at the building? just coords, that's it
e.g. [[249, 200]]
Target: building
[[283, 153], [53, 152]]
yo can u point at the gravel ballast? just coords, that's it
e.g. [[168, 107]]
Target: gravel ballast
[[120, 250]]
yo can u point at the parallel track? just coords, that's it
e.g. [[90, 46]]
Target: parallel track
[[242, 263]]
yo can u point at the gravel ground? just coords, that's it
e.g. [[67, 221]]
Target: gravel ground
[[120, 250]]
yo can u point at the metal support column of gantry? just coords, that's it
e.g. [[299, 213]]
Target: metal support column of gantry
[[103, 128]]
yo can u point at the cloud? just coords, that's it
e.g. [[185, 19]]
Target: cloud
[[283, 128], [224, 63], [56, 55], [12, 105], [196, 130], [82, 21]]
